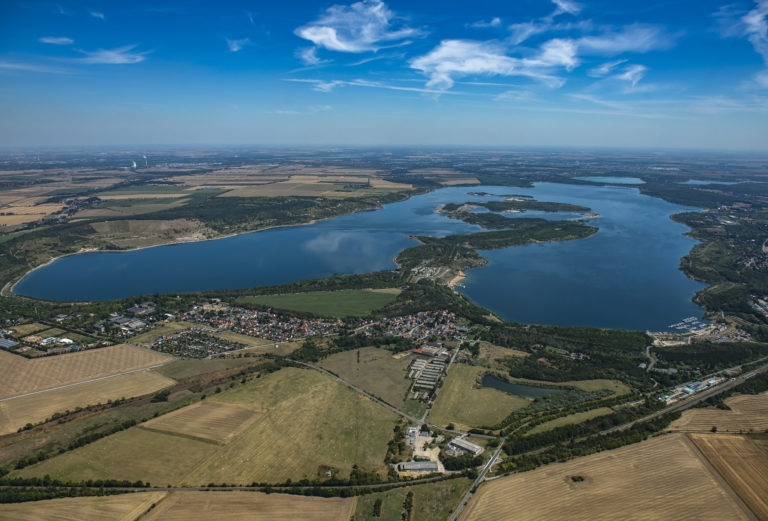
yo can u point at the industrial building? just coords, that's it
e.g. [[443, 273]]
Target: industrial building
[[417, 466], [460, 445]]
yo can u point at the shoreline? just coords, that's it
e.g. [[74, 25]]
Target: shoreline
[[8, 291], [457, 279]]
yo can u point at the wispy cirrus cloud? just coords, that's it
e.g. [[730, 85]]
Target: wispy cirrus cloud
[[605, 68], [237, 45], [632, 74], [364, 26], [308, 56], [752, 25], [56, 40], [119, 56], [29, 67], [482, 24], [566, 7], [756, 28], [459, 58], [329, 85], [638, 38], [97, 14]]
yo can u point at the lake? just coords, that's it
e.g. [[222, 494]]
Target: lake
[[525, 391], [624, 276]]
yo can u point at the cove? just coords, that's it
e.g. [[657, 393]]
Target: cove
[[624, 276]]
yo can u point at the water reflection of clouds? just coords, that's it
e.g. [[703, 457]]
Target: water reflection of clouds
[[344, 251]]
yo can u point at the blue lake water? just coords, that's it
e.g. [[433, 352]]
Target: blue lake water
[[624, 276], [526, 391], [704, 182], [613, 180]]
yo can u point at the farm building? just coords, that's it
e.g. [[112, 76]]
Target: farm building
[[464, 446], [417, 466]]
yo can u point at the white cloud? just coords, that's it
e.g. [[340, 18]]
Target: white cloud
[[118, 56], [632, 74], [308, 56], [605, 68], [566, 6], [762, 79], [631, 38], [29, 67], [756, 28], [237, 45], [96, 14], [522, 31], [360, 27], [482, 24], [458, 58], [57, 40], [328, 86]]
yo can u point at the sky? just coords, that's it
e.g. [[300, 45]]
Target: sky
[[594, 73]]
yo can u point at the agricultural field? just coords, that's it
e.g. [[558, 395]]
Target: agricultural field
[[374, 370], [122, 507], [342, 303], [19, 375], [127, 207], [661, 478], [134, 454], [180, 369], [254, 506], [491, 352], [133, 233], [463, 402], [17, 412], [206, 421], [310, 425], [431, 502], [742, 463], [30, 328], [571, 419], [748, 413]]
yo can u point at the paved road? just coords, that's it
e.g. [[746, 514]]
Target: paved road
[[477, 481], [651, 358], [694, 400]]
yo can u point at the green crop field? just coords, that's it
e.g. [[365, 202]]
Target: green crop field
[[342, 303], [374, 370], [463, 402], [431, 502]]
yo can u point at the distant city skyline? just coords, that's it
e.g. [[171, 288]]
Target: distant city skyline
[[594, 73]]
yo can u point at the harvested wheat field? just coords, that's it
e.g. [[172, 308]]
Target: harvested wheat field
[[124, 507], [244, 506], [207, 421], [19, 375], [742, 464], [748, 412], [34, 408], [662, 478]]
